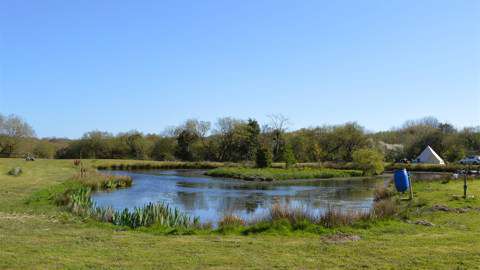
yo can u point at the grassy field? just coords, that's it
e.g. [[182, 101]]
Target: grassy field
[[271, 174], [39, 235]]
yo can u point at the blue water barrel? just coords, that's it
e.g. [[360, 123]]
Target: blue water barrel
[[401, 180]]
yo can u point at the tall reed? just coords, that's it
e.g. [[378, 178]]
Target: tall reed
[[162, 214]]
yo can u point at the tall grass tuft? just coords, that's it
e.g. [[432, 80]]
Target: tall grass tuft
[[292, 214], [335, 217], [382, 192], [231, 221], [299, 216], [384, 208]]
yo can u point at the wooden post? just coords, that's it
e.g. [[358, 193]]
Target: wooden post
[[465, 173], [410, 187]]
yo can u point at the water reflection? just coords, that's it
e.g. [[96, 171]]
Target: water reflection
[[212, 198]]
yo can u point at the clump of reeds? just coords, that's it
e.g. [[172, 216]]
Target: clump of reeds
[[332, 217], [383, 192], [80, 203], [231, 221], [384, 203], [153, 213], [384, 208]]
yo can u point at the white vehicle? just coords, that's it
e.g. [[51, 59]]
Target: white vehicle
[[475, 160]]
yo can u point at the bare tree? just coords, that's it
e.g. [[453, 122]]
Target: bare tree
[[199, 128], [277, 127], [13, 130], [226, 125], [278, 122]]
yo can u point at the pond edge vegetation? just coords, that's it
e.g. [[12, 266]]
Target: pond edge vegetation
[[74, 195]]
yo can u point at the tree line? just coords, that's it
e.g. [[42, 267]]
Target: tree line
[[236, 140]]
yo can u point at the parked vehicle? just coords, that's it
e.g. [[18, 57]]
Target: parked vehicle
[[475, 160]]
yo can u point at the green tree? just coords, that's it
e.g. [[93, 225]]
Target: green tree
[[263, 158], [139, 146], [341, 141], [95, 144], [191, 139], [288, 156], [44, 149], [164, 149], [454, 153], [370, 161], [251, 143], [185, 140]]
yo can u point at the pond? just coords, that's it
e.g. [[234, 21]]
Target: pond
[[211, 198]]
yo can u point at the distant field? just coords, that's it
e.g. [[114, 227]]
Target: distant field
[[39, 235], [272, 174]]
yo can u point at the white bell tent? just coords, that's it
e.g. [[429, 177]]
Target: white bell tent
[[429, 156]]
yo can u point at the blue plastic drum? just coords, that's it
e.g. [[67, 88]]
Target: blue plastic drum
[[401, 180]]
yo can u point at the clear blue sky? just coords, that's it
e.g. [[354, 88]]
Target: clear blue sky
[[68, 67]]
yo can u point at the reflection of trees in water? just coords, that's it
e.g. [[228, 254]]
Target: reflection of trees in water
[[191, 200], [250, 198], [249, 203]]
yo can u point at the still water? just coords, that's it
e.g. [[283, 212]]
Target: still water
[[212, 198]]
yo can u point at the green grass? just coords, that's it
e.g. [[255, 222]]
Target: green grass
[[37, 234], [271, 174]]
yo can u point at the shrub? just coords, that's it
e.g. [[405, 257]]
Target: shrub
[[263, 158], [370, 161]]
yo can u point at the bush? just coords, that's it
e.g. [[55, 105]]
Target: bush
[[370, 161], [263, 158]]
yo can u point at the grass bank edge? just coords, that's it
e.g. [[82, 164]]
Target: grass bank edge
[[277, 174]]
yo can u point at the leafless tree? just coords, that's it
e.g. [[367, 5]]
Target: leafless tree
[[194, 126], [278, 122], [13, 129]]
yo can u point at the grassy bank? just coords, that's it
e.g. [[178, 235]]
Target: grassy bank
[[37, 234], [115, 164], [271, 174], [431, 167]]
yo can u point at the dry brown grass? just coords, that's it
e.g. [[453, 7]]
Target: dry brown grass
[[335, 217], [231, 220]]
